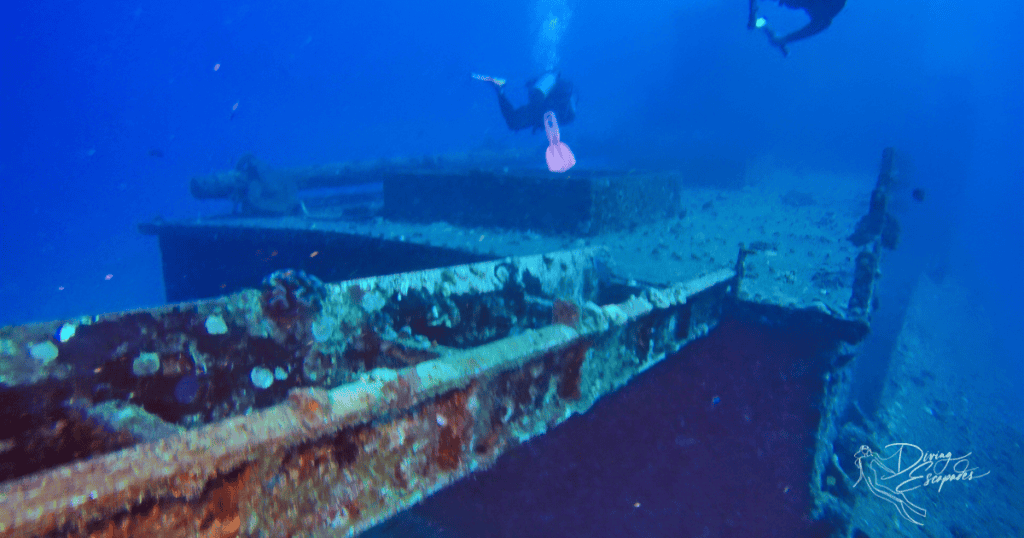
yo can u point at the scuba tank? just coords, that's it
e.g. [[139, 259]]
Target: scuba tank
[[544, 83]]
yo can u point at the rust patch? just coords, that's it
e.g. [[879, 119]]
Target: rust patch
[[449, 449], [220, 515], [353, 509], [223, 529], [566, 313], [454, 420], [572, 362], [401, 480], [312, 405], [308, 461], [214, 514], [148, 519]]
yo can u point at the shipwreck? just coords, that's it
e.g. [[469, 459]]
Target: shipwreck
[[348, 341]]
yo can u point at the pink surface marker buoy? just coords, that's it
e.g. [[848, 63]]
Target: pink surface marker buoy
[[559, 157]]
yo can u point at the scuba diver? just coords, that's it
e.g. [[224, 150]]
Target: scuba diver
[[548, 92], [821, 13]]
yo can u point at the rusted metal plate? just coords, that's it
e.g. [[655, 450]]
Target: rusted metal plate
[[381, 391]]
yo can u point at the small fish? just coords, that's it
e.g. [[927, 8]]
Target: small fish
[[918, 194], [156, 152]]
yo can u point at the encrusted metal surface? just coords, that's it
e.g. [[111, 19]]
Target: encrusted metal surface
[[328, 458]]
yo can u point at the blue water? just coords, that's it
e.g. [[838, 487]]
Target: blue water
[[90, 91]]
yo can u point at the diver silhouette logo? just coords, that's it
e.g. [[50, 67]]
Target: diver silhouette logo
[[907, 468]]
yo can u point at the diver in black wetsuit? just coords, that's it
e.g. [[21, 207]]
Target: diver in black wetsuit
[[821, 13], [548, 91]]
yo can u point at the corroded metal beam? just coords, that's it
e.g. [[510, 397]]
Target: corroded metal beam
[[875, 230], [326, 461]]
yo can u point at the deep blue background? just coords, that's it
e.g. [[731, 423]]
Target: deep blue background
[[88, 89]]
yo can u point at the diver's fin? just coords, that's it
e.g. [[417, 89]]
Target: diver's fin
[[559, 157], [497, 81]]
